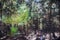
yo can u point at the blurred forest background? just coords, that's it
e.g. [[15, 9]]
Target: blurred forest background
[[43, 14]]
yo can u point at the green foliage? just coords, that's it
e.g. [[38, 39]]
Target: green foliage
[[20, 16], [14, 30]]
